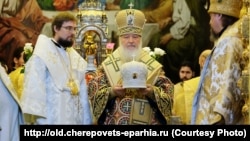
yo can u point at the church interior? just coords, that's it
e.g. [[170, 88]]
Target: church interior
[[22, 22]]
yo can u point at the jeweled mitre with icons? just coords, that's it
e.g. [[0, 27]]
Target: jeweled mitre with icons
[[134, 74]]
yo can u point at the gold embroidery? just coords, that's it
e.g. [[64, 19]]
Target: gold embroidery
[[73, 87]]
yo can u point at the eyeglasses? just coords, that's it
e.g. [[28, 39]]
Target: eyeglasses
[[69, 28]]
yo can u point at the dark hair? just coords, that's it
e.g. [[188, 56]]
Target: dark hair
[[188, 64], [17, 54], [228, 20], [60, 19], [3, 63]]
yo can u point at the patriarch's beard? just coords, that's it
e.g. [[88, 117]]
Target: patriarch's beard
[[128, 54]]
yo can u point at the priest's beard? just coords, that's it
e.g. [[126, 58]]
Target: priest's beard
[[65, 43], [130, 54], [213, 36]]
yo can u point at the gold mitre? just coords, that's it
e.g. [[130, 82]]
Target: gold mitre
[[226, 7], [130, 21]]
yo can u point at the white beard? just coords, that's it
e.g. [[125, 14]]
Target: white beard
[[128, 55]]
